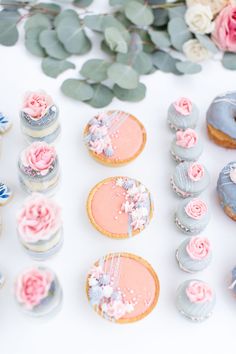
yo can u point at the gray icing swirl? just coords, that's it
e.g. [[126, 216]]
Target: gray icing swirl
[[226, 187], [177, 121], [38, 124], [186, 154]]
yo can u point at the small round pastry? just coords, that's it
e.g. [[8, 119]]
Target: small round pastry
[[226, 188], [122, 287], [5, 194], [182, 114], [194, 254], [186, 146], [221, 117], [39, 168], [5, 124], [39, 227], [39, 117], [192, 216], [115, 138], [38, 292], [195, 300], [190, 179], [119, 207]]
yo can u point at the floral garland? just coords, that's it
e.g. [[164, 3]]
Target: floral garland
[[136, 36]]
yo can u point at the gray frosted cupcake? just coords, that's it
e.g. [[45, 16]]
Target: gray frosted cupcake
[[190, 179], [39, 117], [39, 227], [38, 292], [192, 216], [195, 300], [182, 114], [194, 254], [186, 146], [39, 168]]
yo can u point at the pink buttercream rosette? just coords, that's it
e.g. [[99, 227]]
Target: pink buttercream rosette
[[199, 292], [196, 171], [39, 219], [187, 138], [196, 209], [36, 104], [198, 248], [183, 106]]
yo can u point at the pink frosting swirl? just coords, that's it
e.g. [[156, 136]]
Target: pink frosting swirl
[[183, 106], [39, 156], [32, 286], [36, 104], [39, 219], [196, 171], [199, 292], [224, 34], [187, 138], [198, 247], [196, 208]]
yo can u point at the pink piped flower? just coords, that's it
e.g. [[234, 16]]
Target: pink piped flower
[[224, 34], [183, 106], [39, 219], [187, 138], [196, 171], [39, 156], [198, 247], [32, 286], [36, 104], [196, 209], [199, 292]]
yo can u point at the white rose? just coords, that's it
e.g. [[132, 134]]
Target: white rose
[[194, 51], [199, 19], [215, 5]]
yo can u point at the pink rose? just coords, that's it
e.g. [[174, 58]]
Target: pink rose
[[183, 106], [32, 286], [199, 292], [187, 138], [196, 171], [198, 247], [39, 219], [224, 34], [196, 209], [39, 156], [36, 104]]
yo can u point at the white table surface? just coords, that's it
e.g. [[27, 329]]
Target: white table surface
[[77, 328]]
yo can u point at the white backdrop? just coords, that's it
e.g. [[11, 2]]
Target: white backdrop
[[77, 328]]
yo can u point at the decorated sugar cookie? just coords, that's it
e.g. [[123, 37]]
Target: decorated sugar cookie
[[122, 287], [5, 194], [5, 123]]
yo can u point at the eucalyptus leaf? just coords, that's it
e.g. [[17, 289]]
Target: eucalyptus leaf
[[139, 14], [161, 17], [179, 32], [54, 67], [106, 49], [77, 89], [148, 46], [188, 67], [82, 3], [229, 60], [123, 75], [102, 96], [37, 20], [115, 40], [141, 62], [207, 43], [51, 10], [32, 42], [8, 32], [10, 14], [95, 69], [134, 95], [165, 62], [68, 13], [177, 11], [49, 41], [160, 38]]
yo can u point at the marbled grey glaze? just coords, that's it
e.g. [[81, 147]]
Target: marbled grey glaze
[[188, 264], [222, 113], [194, 311], [187, 224], [181, 154], [226, 188], [177, 121], [181, 180]]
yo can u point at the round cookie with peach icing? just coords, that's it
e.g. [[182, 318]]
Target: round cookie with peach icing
[[186, 146], [119, 207], [182, 114], [226, 188], [115, 138], [122, 287]]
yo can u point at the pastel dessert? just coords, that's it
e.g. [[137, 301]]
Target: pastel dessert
[[192, 216], [194, 254], [115, 138], [182, 114], [5, 194], [226, 188], [39, 227], [220, 118], [119, 207], [5, 124], [39, 117], [186, 146], [232, 285], [38, 292], [122, 287], [195, 300], [39, 168], [190, 179]]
